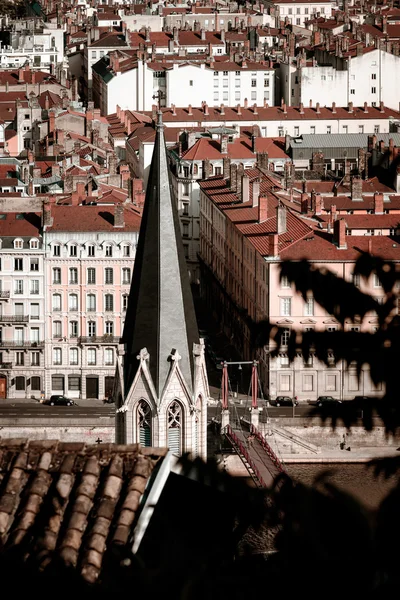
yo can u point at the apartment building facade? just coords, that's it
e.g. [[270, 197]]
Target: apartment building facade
[[22, 305], [89, 253]]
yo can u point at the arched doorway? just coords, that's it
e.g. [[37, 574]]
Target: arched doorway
[[3, 387]]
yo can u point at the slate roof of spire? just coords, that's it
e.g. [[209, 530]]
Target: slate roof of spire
[[160, 314]]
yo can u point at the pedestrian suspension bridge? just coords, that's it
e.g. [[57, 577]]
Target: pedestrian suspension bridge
[[244, 436]]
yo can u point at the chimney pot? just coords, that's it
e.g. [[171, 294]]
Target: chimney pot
[[262, 209], [339, 234]]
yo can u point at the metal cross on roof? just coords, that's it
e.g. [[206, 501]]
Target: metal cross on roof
[[159, 95]]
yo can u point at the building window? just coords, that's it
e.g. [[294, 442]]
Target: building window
[[286, 307], [73, 356], [216, 97], [91, 275], [361, 129], [308, 383], [19, 359], [91, 302], [330, 383], [34, 264], [20, 383], [126, 250], [56, 301], [73, 302], [109, 356], [237, 96], [125, 302], [297, 131], [57, 250], [90, 250], [376, 281], [57, 275], [109, 302], [73, 329], [306, 11], [34, 310], [298, 21], [57, 356], [91, 356], [352, 91], [91, 328], [328, 129], [253, 96], [373, 90], [18, 264], [73, 275], [34, 286], [74, 383], [109, 276], [109, 328], [284, 361], [254, 83], [175, 421], [285, 337], [143, 423], [284, 383], [185, 229], [109, 251], [57, 333], [34, 244], [285, 283], [373, 75], [312, 129], [35, 359], [225, 73], [376, 128], [18, 286], [35, 384], [57, 383], [280, 131], [309, 307], [73, 250], [356, 279], [190, 82], [126, 275], [18, 244]]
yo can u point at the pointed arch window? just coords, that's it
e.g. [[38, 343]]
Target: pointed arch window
[[144, 423], [175, 421], [197, 429]]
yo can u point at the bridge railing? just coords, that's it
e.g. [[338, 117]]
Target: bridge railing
[[267, 448], [229, 431]]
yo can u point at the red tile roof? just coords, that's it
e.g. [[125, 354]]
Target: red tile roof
[[15, 226], [91, 218], [211, 149], [367, 221]]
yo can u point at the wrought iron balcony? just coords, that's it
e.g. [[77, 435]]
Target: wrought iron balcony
[[20, 344], [14, 318], [5, 295], [7, 365], [103, 339]]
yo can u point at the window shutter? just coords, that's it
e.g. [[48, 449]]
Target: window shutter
[[145, 436], [174, 439]]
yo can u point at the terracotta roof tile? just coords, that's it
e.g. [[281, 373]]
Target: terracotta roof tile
[[85, 497], [91, 218]]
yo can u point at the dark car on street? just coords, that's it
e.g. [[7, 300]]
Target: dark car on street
[[321, 400], [283, 401], [59, 400]]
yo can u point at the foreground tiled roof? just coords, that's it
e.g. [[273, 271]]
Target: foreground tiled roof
[[71, 503]]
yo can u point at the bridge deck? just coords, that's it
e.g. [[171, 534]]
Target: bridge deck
[[259, 457]]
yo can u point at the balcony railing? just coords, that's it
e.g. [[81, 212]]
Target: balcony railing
[[4, 295], [20, 344], [14, 318], [103, 339], [5, 365]]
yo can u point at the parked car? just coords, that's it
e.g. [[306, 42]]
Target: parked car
[[321, 400], [58, 400], [284, 401]]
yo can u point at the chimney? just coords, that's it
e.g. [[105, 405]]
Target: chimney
[[378, 203], [339, 234], [334, 108], [224, 144], [226, 168], [255, 111], [206, 113], [356, 188], [381, 107], [239, 110], [281, 219], [256, 191], [119, 220], [203, 34], [190, 112], [301, 108], [350, 107], [304, 203], [284, 108], [233, 177], [262, 209], [384, 24], [245, 188], [274, 245], [47, 219], [365, 107], [55, 170], [20, 76], [222, 109], [206, 169], [52, 121], [245, 103], [310, 103], [317, 108]]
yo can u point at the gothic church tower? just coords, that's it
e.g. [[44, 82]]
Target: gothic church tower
[[161, 386]]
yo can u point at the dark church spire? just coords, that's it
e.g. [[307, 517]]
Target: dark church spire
[[160, 314]]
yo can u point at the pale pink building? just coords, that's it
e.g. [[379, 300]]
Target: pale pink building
[[243, 240], [90, 252]]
